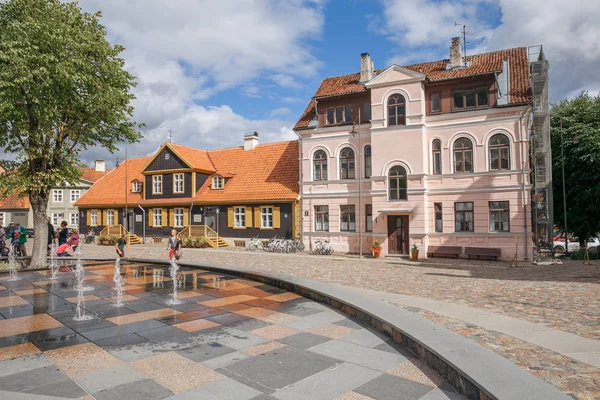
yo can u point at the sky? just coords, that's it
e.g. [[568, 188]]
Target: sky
[[210, 71]]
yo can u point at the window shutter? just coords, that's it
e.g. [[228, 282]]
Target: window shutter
[[104, 217], [151, 217], [172, 216], [88, 217], [230, 217], [186, 216], [164, 218], [248, 217], [276, 218], [257, 217]]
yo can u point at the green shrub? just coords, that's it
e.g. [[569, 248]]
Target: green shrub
[[579, 254]]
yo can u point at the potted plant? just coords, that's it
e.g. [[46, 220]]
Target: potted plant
[[414, 252], [376, 249]]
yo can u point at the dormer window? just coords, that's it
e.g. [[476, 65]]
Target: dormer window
[[167, 156], [217, 182], [136, 187]]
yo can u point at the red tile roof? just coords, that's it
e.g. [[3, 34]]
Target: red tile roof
[[110, 189], [14, 201], [269, 172], [91, 175], [520, 91], [196, 158]]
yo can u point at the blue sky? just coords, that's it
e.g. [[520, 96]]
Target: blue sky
[[212, 71]]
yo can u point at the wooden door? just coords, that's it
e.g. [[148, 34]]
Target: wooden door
[[397, 234]]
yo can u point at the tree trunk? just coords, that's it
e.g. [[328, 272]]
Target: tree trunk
[[39, 205]]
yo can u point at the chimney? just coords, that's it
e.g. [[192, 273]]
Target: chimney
[[250, 140], [455, 54], [100, 165], [366, 68]]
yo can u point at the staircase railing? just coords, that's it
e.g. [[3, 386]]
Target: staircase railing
[[116, 230]]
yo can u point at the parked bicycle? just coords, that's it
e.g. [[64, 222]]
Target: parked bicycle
[[255, 244], [276, 245], [322, 247]]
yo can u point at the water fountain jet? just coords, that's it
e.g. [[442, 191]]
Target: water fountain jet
[[12, 265], [53, 264], [174, 300], [118, 279], [79, 272]]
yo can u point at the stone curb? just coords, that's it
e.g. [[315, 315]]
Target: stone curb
[[473, 370]]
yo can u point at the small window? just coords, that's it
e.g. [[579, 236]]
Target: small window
[[459, 97], [435, 102], [94, 218], [396, 110], [436, 149], [110, 217], [75, 195], [439, 222], [322, 218], [57, 195], [156, 184], [167, 156], [348, 114], [463, 217], [239, 217], [217, 182], [499, 148], [178, 216], [369, 218], [499, 216], [463, 155], [368, 161], [482, 97], [347, 164], [397, 183], [266, 217], [136, 187], [2, 218], [348, 217], [470, 100], [320, 166], [339, 118], [331, 116], [177, 183], [74, 219], [366, 112], [157, 216], [57, 218]]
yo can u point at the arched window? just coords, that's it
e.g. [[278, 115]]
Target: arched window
[[463, 155], [320, 166], [368, 165], [347, 164], [397, 183], [396, 110], [499, 152], [436, 156]]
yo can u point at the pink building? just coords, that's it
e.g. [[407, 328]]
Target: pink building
[[432, 154]]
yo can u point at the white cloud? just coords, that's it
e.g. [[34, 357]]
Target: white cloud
[[286, 81], [281, 111], [183, 52], [569, 32]]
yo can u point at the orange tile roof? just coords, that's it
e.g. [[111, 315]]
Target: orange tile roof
[[195, 158], [14, 201], [520, 90], [91, 175], [110, 189], [269, 172]]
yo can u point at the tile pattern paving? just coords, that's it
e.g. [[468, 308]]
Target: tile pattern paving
[[229, 339]]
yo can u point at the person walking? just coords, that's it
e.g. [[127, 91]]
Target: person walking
[[74, 239], [51, 235], [20, 234], [120, 246], [63, 232], [172, 244]]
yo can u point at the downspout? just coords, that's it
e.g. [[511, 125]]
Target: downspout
[[526, 111], [143, 222], [190, 221], [301, 187]]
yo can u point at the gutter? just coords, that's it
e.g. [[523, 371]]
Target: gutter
[[526, 111], [143, 221], [302, 178]]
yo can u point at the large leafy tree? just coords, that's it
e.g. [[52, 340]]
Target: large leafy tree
[[63, 89], [575, 129]]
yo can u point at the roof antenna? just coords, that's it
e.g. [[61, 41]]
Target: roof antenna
[[464, 32], [117, 163], [170, 136]]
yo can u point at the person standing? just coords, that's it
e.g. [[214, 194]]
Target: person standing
[[51, 235], [63, 232], [172, 244], [120, 246], [21, 237], [74, 239]]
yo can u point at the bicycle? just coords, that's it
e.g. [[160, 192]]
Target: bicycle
[[255, 244], [322, 247]]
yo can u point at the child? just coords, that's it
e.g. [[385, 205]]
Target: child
[[179, 244], [74, 239], [172, 244], [63, 250], [120, 246]]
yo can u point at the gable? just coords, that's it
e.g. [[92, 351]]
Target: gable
[[166, 159], [395, 75]]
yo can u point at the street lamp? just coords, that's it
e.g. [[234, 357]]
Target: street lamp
[[564, 190], [354, 132]]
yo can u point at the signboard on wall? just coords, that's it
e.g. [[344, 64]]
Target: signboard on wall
[[197, 218], [139, 218]]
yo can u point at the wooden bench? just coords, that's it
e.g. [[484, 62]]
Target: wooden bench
[[482, 252], [444, 251], [157, 240]]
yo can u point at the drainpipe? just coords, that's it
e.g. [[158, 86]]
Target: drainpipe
[[301, 186], [143, 222], [190, 221], [523, 181]]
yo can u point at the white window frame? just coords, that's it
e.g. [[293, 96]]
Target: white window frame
[[2, 218], [56, 195], [57, 218], [266, 217], [178, 215], [110, 217], [74, 219], [75, 195], [136, 186], [217, 182], [93, 217], [157, 217], [157, 184], [239, 217], [176, 182]]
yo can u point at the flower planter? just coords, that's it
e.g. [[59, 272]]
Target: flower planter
[[376, 254], [414, 255]]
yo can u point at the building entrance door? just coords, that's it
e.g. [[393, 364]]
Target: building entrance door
[[397, 234], [131, 223]]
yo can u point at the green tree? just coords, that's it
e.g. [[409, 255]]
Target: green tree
[[63, 89], [575, 129]]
